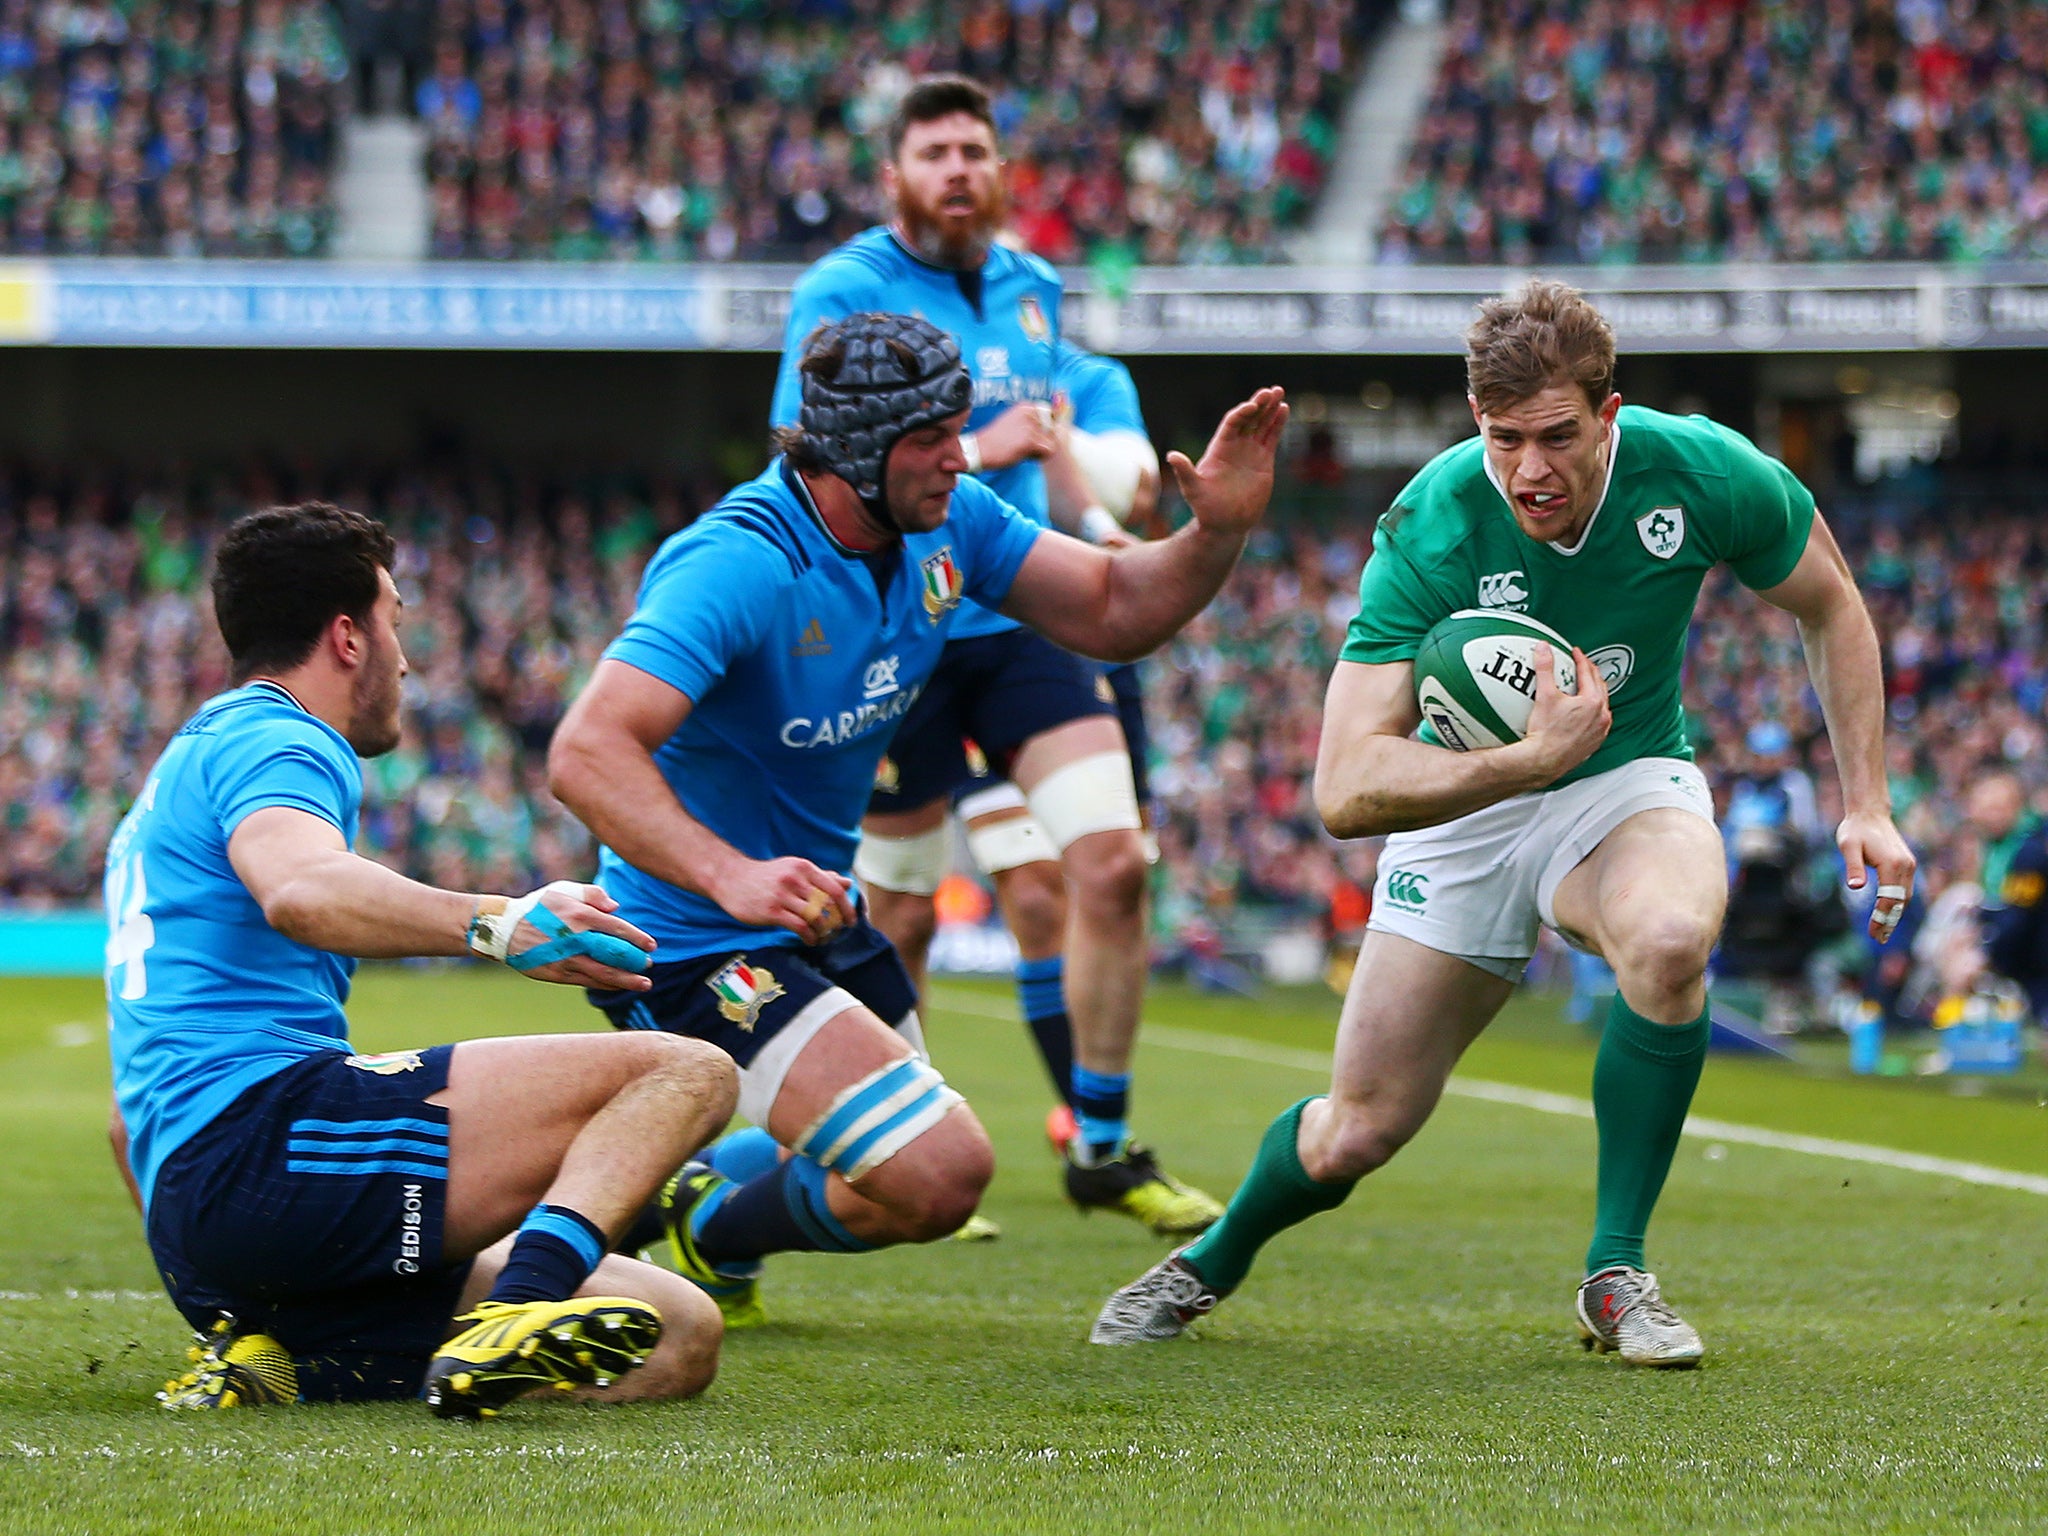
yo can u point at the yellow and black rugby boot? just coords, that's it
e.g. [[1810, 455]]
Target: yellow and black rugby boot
[[231, 1370], [1132, 1183], [506, 1349], [737, 1291]]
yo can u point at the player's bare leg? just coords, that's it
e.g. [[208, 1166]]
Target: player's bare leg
[[1077, 779], [1105, 871], [907, 918], [1649, 900], [1408, 1016], [1033, 900], [566, 1138]]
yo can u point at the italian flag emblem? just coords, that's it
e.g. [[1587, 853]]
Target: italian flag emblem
[[943, 585], [743, 990]]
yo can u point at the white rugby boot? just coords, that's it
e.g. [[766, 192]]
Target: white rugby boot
[[1621, 1310], [1159, 1304]]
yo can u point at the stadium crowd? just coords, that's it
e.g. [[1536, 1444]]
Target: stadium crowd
[[514, 587], [168, 127], [1622, 130], [1194, 130]]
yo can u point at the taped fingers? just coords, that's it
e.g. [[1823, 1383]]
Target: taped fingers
[[1889, 908]]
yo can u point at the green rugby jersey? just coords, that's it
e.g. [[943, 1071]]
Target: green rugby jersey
[[1682, 496]]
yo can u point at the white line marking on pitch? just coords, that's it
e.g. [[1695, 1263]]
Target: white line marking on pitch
[[1239, 1049]]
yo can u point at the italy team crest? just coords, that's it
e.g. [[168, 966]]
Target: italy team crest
[[743, 990], [1031, 316], [943, 584], [1662, 530], [385, 1064]]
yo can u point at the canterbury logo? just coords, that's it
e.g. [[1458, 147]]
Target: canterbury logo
[[1503, 589], [1406, 887]]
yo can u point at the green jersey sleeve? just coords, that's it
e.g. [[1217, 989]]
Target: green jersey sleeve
[[1396, 606], [1769, 515]]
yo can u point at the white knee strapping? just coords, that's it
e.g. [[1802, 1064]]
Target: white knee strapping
[[911, 1028], [874, 1119], [1001, 795], [761, 1081], [1010, 843], [1091, 794], [913, 865]]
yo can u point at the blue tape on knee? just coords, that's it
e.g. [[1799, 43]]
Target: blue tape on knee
[[805, 1191]]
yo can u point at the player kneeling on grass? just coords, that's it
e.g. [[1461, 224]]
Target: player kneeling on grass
[[329, 1220], [726, 746], [1600, 522]]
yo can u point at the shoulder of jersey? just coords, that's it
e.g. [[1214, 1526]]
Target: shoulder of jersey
[[1446, 499], [1658, 441], [873, 253], [753, 511], [1037, 266]]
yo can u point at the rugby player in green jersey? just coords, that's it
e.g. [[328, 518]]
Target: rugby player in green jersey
[[1601, 521]]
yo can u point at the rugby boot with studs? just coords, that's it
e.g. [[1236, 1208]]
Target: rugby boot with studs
[[1133, 1184], [1158, 1305], [231, 1370], [1622, 1312], [508, 1349]]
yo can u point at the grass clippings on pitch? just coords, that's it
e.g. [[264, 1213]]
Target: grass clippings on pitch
[[1407, 1363]]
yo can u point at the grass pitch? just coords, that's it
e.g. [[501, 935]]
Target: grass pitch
[[1876, 1343]]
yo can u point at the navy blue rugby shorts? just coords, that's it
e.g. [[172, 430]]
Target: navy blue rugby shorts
[[762, 1005], [311, 1209], [998, 691]]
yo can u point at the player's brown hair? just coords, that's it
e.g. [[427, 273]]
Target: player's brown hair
[[1543, 333], [934, 97]]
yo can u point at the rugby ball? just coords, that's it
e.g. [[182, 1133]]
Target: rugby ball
[[1475, 676]]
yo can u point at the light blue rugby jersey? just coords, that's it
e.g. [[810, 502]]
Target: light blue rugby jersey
[[1007, 340], [204, 997], [1100, 389], [800, 657]]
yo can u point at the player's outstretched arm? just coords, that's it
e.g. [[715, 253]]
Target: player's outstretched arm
[[313, 889], [1373, 777], [602, 767], [1120, 606], [1847, 668]]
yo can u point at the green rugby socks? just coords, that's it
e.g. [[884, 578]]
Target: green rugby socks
[[1643, 1080], [1276, 1194]]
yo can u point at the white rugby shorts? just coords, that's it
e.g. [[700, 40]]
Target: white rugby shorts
[[1480, 887]]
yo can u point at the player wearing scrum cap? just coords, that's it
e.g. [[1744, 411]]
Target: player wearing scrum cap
[[1601, 521], [725, 748]]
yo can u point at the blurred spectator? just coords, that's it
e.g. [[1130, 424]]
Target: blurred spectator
[[192, 128], [1622, 130], [678, 130]]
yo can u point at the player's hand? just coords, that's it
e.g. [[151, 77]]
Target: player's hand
[[811, 902], [582, 909], [1229, 489], [1869, 841], [1566, 728], [1026, 430]]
